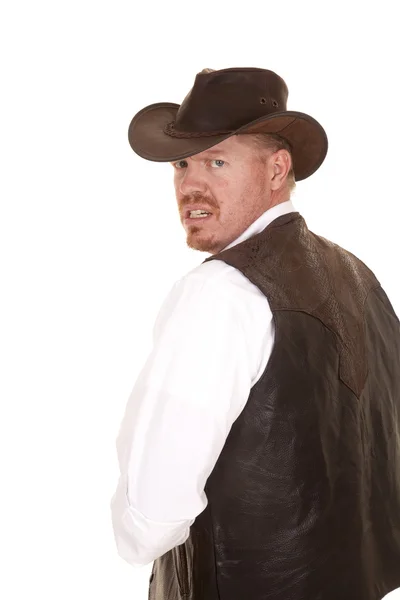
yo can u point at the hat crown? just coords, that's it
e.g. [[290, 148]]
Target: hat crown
[[227, 99]]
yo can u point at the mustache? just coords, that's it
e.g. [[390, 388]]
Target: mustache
[[196, 199]]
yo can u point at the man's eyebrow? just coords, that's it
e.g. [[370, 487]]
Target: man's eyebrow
[[211, 152]]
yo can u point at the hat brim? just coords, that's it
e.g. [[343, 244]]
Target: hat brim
[[307, 138]]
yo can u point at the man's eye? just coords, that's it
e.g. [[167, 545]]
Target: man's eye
[[178, 163]]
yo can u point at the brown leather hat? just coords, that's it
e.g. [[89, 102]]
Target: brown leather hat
[[224, 103]]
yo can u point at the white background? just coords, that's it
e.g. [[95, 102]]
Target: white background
[[91, 242]]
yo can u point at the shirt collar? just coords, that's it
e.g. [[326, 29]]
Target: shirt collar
[[263, 220]]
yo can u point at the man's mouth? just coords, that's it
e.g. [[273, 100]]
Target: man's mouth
[[195, 219]]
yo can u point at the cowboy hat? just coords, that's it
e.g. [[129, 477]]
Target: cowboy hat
[[239, 100]]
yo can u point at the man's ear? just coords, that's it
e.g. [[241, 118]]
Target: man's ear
[[281, 163]]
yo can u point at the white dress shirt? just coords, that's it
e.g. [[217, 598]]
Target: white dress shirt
[[212, 339]]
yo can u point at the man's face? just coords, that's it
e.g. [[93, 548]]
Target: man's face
[[229, 181]]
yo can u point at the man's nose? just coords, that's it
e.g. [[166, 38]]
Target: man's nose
[[191, 181]]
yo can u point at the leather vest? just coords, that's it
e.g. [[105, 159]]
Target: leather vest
[[304, 500]]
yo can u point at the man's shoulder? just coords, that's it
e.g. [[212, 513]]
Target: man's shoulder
[[217, 275]]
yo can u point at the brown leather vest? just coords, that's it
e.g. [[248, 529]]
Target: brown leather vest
[[304, 500]]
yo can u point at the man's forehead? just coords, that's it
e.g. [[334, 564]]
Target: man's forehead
[[215, 150], [226, 148], [209, 152]]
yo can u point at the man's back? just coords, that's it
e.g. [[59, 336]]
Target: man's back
[[303, 502]]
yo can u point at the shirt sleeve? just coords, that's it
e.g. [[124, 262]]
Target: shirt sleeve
[[193, 386]]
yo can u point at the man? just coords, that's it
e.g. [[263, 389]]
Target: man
[[260, 448]]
